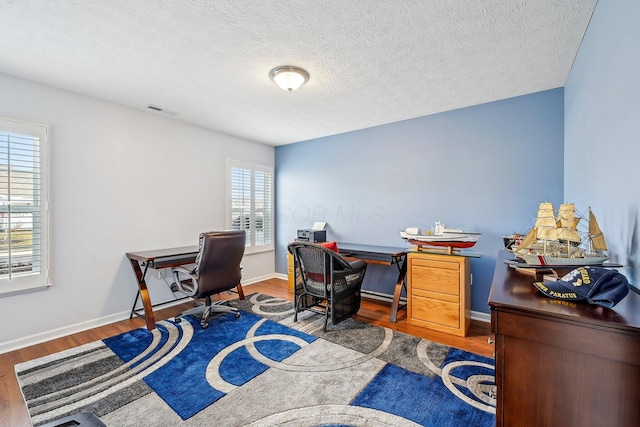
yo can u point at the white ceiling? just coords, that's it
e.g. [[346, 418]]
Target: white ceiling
[[371, 62]]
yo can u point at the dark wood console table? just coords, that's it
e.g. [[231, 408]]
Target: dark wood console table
[[561, 363]]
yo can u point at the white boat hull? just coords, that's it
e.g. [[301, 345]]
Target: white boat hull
[[546, 260]]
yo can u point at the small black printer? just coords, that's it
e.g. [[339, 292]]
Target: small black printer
[[312, 236]]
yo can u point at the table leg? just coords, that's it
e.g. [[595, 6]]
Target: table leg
[[402, 272], [143, 292]]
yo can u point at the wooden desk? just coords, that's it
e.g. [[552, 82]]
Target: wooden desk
[[156, 259], [382, 255], [561, 363]]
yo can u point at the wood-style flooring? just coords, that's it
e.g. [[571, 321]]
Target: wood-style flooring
[[13, 412]]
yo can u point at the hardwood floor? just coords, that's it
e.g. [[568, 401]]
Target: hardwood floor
[[14, 414]]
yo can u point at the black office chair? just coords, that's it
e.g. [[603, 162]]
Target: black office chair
[[217, 269], [328, 283]]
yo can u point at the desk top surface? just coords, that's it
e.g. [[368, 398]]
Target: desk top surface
[[514, 290], [372, 249], [346, 248], [154, 254]]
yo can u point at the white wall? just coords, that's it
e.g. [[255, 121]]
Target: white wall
[[121, 180]]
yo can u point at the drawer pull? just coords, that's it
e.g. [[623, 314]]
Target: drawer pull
[[493, 393], [490, 340]]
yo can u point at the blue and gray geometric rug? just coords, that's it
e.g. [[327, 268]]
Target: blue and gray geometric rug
[[262, 369]]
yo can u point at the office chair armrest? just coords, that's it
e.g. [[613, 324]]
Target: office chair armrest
[[187, 285]]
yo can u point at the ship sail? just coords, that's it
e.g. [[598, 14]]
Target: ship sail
[[568, 223], [528, 240], [546, 222], [597, 237]]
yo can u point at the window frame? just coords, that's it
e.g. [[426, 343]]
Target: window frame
[[21, 283], [252, 169]]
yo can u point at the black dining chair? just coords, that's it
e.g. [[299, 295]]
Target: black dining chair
[[328, 283]]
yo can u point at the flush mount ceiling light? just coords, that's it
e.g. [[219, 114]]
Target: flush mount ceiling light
[[289, 77]]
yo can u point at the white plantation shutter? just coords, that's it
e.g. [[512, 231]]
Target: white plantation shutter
[[250, 203], [23, 206], [263, 184], [241, 201]]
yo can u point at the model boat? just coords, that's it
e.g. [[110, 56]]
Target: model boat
[[441, 236], [512, 240], [555, 239]]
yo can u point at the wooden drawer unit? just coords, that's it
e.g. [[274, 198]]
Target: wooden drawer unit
[[290, 272], [439, 294]]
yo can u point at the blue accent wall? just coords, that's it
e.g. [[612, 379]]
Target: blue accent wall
[[484, 168], [602, 127]]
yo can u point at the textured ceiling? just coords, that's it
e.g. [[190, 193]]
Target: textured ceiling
[[371, 62]]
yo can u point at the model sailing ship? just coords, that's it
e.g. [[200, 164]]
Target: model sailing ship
[[440, 237], [555, 239]]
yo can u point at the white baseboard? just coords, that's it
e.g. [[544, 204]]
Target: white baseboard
[[90, 324], [281, 276], [262, 278], [61, 332], [45, 336], [475, 315], [480, 316]]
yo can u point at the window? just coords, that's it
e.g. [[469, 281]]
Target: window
[[250, 203], [24, 221]]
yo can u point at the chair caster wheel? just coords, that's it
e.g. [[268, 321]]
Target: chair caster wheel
[[237, 315], [205, 326], [177, 319]]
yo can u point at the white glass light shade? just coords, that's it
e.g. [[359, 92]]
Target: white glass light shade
[[288, 77]]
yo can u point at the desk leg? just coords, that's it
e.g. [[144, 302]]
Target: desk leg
[[402, 267], [144, 294]]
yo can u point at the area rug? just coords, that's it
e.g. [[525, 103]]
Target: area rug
[[263, 369]]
